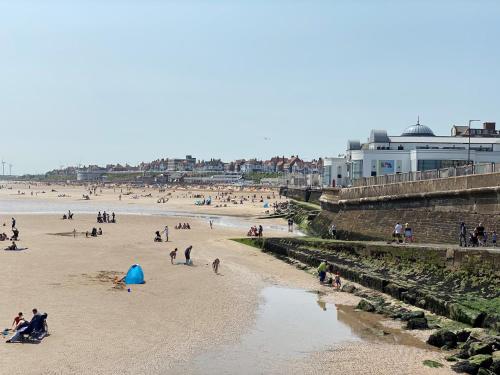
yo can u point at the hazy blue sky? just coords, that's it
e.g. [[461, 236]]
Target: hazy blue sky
[[99, 81]]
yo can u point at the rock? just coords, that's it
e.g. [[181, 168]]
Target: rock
[[365, 306], [421, 303], [481, 360], [443, 337], [394, 290], [463, 335], [480, 348], [483, 371], [417, 323], [409, 297], [495, 366], [348, 288], [465, 367], [466, 315], [463, 354], [411, 315]]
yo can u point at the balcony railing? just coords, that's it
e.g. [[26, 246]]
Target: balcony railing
[[464, 170]]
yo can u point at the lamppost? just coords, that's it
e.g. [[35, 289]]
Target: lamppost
[[468, 149]]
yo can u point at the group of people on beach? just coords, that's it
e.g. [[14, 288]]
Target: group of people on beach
[[255, 231], [183, 226], [93, 233], [478, 237], [158, 235], [35, 329], [13, 238], [68, 216], [106, 218]]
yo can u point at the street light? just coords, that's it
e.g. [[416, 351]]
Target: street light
[[468, 149]]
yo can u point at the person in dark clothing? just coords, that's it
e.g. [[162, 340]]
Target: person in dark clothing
[[13, 223], [463, 235], [187, 254], [261, 230]]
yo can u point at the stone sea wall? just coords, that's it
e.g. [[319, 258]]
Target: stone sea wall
[[432, 208]]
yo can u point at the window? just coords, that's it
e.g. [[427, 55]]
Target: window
[[425, 165]]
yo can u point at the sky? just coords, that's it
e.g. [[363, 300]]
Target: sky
[[108, 81]]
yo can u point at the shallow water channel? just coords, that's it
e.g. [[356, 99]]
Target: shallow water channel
[[92, 207], [290, 324]]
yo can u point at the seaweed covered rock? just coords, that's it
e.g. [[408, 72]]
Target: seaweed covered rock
[[495, 365], [443, 337], [481, 360], [480, 348], [412, 315], [365, 306], [348, 288], [463, 314], [465, 367], [417, 323]]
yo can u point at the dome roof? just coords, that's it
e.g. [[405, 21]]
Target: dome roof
[[418, 130]]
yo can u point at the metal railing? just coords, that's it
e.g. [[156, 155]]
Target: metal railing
[[464, 170]]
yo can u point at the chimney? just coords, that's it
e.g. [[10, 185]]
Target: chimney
[[489, 126]]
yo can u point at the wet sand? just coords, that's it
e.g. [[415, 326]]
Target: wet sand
[[181, 320]]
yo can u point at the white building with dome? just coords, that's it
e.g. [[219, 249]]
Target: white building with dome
[[419, 149]]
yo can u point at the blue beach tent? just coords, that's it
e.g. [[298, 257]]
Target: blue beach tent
[[134, 275]]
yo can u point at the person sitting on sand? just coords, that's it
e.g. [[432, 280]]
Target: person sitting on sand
[[215, 265], [17, 320], [64, 217], [157, 236], [3, 237], [173, 255], [94, 232], [12, 247], [188, 226], [99, 232]]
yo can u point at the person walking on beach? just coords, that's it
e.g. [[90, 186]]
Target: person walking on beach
[[13, 223], [211, 224], [261, 230], [165, 231], [215, 265], [290, 225], [462, 237], [187, 255]]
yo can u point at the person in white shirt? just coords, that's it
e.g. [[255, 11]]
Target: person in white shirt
[[165, 231], [398, 230]]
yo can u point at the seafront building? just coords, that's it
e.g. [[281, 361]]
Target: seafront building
[[416, 149]]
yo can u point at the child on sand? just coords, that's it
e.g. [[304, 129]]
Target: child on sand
[[338, 283], [173, 255]]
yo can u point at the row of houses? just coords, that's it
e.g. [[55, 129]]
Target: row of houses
[[277, 164]]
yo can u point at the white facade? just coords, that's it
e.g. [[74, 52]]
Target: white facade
[[335, 172], [418, 150]]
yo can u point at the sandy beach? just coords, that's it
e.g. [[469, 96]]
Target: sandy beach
[[184, 319]]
